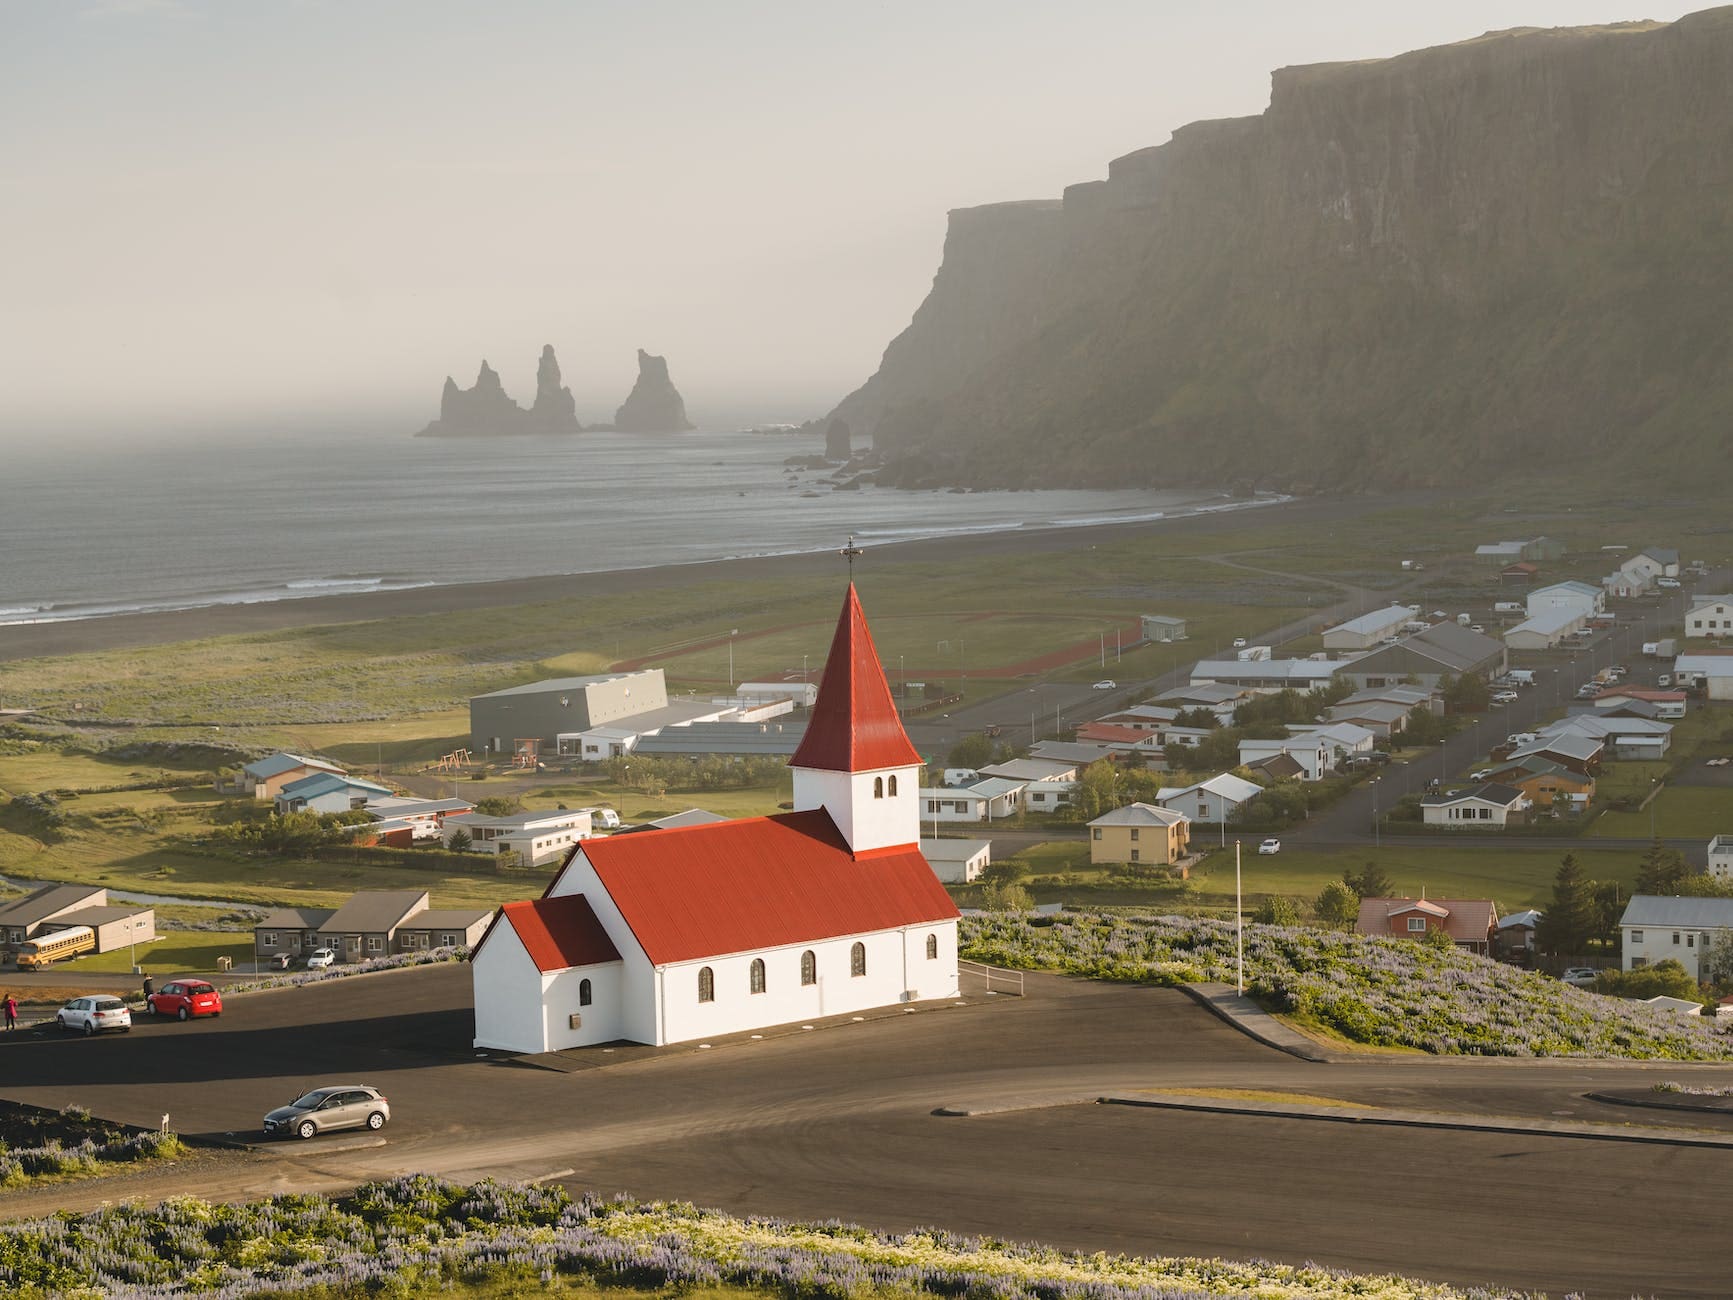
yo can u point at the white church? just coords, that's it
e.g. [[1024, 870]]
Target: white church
[[667, 936]]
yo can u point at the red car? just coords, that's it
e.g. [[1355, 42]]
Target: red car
[[186, 999]]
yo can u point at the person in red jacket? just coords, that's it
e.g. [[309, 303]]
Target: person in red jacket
[[11, 1013]]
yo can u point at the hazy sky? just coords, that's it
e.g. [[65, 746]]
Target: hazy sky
[[222, 211]]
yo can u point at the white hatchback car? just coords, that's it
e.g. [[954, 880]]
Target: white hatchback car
[[94, 1014], [1270, 846], [1106, 686], [320, 959]]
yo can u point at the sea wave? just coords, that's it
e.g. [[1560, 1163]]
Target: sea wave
[[301, 589]]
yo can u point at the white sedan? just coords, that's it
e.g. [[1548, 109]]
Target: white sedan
[[1505, 697], [1106, 686], [1270, 846]]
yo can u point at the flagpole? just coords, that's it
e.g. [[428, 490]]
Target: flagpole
[[1239, 923]]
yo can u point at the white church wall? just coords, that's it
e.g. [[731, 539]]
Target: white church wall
[[508, 994], [599, 1022], [932, 977], [639, 1015], [866, 821], [890, 964]]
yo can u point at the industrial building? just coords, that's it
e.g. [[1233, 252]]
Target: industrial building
[[1368, 630]]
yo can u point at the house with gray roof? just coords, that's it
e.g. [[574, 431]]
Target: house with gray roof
[[1487, 807], [1367, 630], [1265, 674], [1442, 650], [743, 739], [1655, 928], [291, 930], [958, 862], [264, 778], [23, 918], [327, 792]]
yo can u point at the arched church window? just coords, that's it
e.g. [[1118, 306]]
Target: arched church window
[[706, 984], [932, 947], [757, 975], [583, 993], [808, 967], [893, 787], [857, 960], [878, 787]]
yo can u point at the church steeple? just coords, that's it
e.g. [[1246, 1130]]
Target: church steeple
[[855, 759]]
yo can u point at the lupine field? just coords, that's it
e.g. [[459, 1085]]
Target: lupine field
[[415, 1234], [1383, 992]]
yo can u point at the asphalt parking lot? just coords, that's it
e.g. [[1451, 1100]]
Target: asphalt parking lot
[[839, 1122]]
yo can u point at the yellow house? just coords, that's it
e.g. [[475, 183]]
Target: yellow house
[[1139, 832]]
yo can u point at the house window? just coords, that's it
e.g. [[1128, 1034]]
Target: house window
[[756, 975], [1134, 855], [706, 984], [1416, 924], [1690, 941], [932, 947], [583, 993], [857, 960], [267, 940], [376, 944], [1134, 835], [808, 968], [933, 805], [893, 787], [1037, 798], [878, 787], [1095, 832], [1636, 936], [1675, 938], [1637, 963], [448, 941]]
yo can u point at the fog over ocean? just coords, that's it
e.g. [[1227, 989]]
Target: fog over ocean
[[86, 531]]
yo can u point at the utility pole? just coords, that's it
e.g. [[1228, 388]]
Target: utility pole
[[1239, 925]]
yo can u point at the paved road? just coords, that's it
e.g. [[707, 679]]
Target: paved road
[[839, 1122]]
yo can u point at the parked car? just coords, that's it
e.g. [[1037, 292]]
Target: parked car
[[1505, 697], [186, 999], [281, 961], [1476, 627], [1480, 775], [1270, 846], [320, 958], [1106, 686], [335, 1106], [1667, 582], [1239, 643], [94, 1014], [1582, 977]]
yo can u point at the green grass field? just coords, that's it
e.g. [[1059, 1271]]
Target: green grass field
[[1513, 877], [179, 952], [1678, 812]]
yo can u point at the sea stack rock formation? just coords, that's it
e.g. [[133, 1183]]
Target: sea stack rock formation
[[554, 410], [485, 411], [836, 441], [654, 404], [1515, 250]]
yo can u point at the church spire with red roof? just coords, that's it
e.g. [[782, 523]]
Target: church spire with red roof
[[854, 725], [855, 760]]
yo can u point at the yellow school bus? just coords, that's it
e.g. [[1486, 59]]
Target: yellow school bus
[[33, 954]]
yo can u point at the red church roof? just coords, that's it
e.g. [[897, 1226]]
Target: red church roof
[[854, 725], [760, 882], [558, 933]]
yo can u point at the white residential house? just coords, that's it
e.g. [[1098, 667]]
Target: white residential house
[[1489, 807], [1721, 856], [1714, 672], [958, 862], [1577, 597], [1345, 739], [1315, 755], [424, 817], [1710, 616], [1655, 928], [677, 935], [1047, 796], [536, 837], [1216, 800], [990, 800]]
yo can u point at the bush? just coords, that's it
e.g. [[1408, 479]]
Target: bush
[[1665, 979]]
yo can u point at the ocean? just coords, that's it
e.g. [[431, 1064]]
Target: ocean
[[87, 531]]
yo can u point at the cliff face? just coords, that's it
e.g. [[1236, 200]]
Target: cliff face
[[485, 411], [1493, 255], [654, 405]]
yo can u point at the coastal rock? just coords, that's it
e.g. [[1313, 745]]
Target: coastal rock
[[554, 410], [486, 411], [1512, 250], [836, 441], [654, 404]]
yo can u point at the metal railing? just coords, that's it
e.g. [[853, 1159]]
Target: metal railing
[[1010, 981]]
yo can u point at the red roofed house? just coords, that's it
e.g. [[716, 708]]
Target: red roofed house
[[1471, 922], [672, 935]]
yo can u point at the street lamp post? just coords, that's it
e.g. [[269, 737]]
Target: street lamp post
[[1373, 786], [732, 633]]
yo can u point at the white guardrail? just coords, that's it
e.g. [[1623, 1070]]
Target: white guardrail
[[1009, 981]]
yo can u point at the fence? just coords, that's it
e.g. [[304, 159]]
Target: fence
[[1010, 981]]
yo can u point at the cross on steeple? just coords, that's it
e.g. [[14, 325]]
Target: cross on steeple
[[848, 553]]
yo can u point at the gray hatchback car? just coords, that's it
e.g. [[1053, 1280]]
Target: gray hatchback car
[[342, 1105]]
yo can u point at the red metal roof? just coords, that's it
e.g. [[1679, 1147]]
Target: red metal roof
[[558, 933], [854, 725], [759, 882]]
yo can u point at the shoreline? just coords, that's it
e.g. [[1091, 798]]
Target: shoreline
[[120, 631]]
